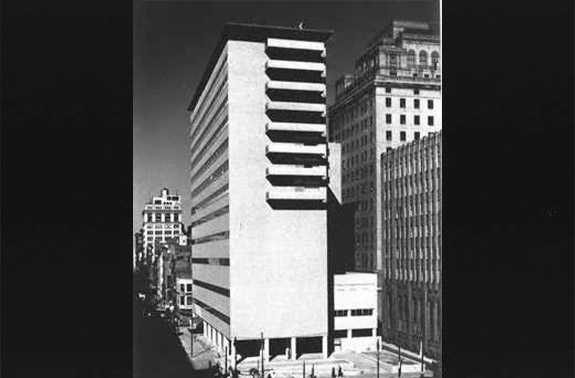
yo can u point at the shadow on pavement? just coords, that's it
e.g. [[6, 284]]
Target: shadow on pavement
[[157, 352]]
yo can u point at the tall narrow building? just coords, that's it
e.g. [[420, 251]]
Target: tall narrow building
[[393, 97], [411, 224], [258, 191]]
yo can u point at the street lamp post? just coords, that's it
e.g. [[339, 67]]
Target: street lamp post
[[377, 358], [262, 350]]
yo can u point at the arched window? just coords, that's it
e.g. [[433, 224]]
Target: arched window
[[411, 58], [435, 59], [423, 58]]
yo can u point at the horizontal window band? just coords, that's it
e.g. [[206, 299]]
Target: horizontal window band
[[212, 261], [217, 153], [213, 311], [215, 134], [220, 171], [211, 287], [222, 110], [206, 201], [213, 237], [213, 215]]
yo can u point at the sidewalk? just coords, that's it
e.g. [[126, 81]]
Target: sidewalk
[[354, 364], [205, 354]]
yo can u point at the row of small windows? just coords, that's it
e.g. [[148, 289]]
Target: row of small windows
[[175, 217], [403, 119], [170, 198], [165, 232], [161, 239], [360, 332], [393, 59], [403, 103], [156, 225], [402, 135], [358, 189], [354, 312], [422, 58], [431, 273]]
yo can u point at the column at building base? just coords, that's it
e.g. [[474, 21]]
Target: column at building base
[[293, 348]]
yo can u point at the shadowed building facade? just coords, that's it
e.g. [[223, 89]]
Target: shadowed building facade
[[411, 229], [259, 191], [393, 97]]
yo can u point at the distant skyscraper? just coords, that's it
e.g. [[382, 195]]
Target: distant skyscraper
[[411, 229], [162, 219], [258, 194], [392, 98]]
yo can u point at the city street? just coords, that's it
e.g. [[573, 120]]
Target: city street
[[157, 352]]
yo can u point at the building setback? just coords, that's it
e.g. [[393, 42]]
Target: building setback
[[411, 229], [258, 191], [392, 98]]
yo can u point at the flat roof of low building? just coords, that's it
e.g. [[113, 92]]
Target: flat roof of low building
[[349, 278]]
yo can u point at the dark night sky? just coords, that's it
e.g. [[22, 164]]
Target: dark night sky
[[173, 41]]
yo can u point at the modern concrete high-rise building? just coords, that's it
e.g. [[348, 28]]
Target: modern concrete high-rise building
[[411, 234], [258, 191], [392, 98], [163, 219]]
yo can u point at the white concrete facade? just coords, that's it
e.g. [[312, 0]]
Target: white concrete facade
[[249, 255], [355, 306]]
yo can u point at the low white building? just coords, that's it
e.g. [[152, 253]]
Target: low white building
[[355, 311]]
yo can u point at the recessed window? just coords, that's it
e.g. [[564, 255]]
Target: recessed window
[[182, 286], [388, 135], [416, 103], [189, 288], [388, 102], [340, 312], [416, 135], [423, 58], [340, 334], [387, 90], [402, 119], [388, 118], [365, 332], [430, 120], [189, 300], [416, 91], [402, 136], [402, 103], [416, 120], [182, 301], [429, 104]]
